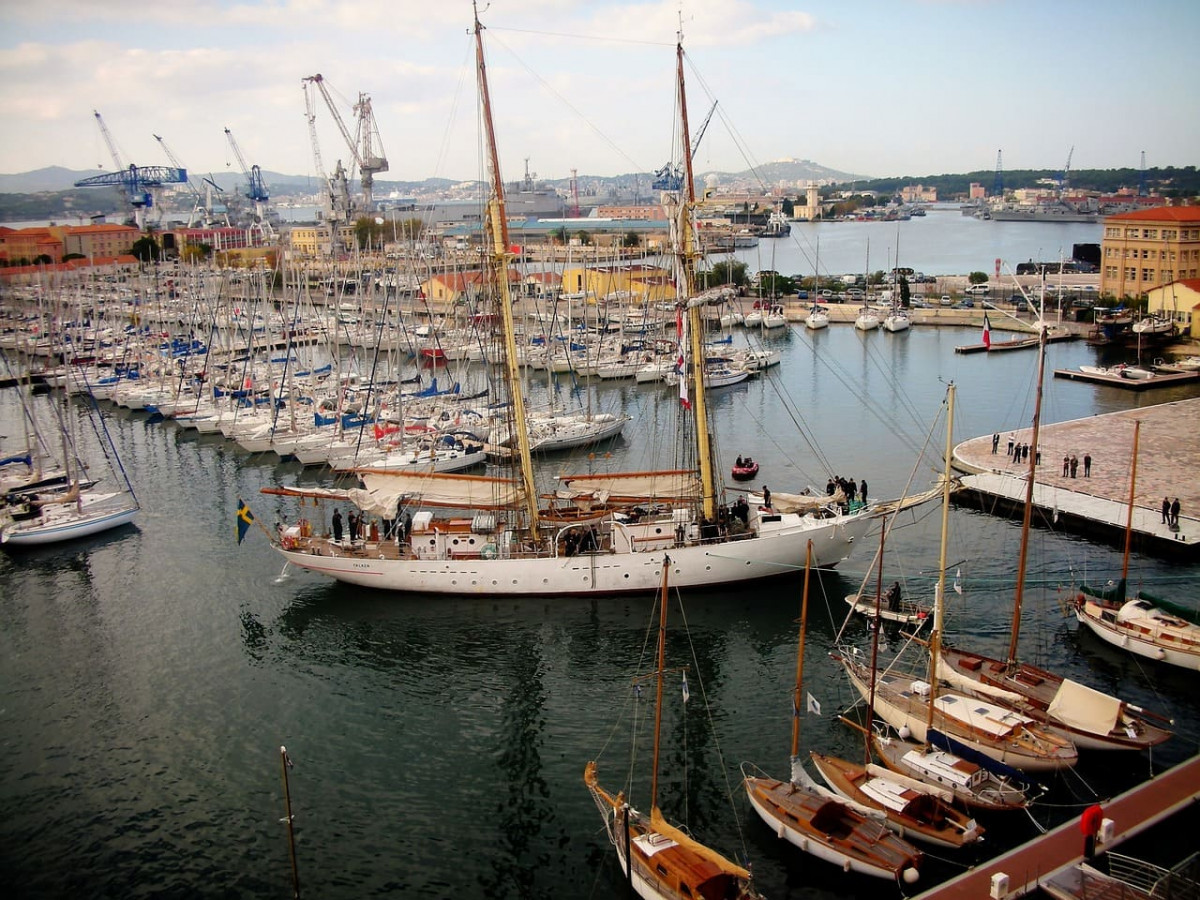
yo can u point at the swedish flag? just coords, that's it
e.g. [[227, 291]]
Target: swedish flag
[[244, 518]]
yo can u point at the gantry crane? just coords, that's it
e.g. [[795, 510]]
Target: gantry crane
[[366, 147], [137, 183], [256, 188]]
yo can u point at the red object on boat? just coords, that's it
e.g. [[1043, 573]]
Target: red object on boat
[[745, 471]]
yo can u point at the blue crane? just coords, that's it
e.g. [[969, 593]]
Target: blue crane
[[256, 188], [136, 182], [670, 176]]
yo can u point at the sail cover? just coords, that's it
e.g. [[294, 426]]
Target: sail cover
[[1084, 708], [676, 484], [382, 491]]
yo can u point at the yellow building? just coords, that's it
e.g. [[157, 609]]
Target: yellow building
[[1148, 248], [317, 240], [99, 240], [1179, 302], [633, 283]]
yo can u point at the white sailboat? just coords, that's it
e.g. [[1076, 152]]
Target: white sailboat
[[79, 506], [1145, 626], [502, 535]]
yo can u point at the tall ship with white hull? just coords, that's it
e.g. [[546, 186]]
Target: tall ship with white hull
[[446, 533]]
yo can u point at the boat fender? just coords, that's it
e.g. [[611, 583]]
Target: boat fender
[[846, 865], [782, 831]]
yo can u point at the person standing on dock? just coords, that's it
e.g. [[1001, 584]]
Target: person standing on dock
[[995, 442], [1074, 466], [1010, 445], [1175, 513], [1087, 465], [1166, 510], [1066, 466], [1089, 824]]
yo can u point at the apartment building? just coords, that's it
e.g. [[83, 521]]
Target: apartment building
[[1148, 248]]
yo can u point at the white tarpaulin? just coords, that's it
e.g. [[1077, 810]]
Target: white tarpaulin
[[385, 490], [679, 484], [1084, 708]]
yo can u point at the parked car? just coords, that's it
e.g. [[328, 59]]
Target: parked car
[[1019, 303], [965, 303], [946, 301], [918, 303], [978, 289]]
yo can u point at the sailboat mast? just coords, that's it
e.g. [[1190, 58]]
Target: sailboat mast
[[662, 656], [1137, 428], [1031, 477], [935, 640], [497, 228], [796, 696], [688, 255]]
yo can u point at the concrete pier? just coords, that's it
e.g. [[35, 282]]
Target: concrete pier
[[1168, 458]]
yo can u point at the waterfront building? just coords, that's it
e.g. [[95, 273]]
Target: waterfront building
[[633, 283], [317, 240], [1149, 248], [56, 241], [1179, 302]]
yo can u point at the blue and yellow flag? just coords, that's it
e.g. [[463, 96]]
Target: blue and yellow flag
[[244, 518]]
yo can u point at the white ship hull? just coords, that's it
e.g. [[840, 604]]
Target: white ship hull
[[692, 566]]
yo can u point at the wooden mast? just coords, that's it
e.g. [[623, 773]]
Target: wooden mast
[[935, 640], [688, 256], [797, 699], [1137, 427], [662, 654], [498, 262], [1027, 518]]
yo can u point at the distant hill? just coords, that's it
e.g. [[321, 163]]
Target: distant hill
[[51, 178]]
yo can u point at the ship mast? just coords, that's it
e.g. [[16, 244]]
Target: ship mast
[[498, 263], [1027, 519], [687, 258]]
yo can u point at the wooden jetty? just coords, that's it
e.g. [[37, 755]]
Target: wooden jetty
[[997, 346], [1025, 868], [1098, 502], [1157, 380]]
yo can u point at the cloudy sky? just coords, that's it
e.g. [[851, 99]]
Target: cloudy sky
[[896, 87]]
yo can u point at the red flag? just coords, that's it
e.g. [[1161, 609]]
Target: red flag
[[987, 332]]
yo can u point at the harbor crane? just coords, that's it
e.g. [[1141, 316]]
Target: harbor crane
[[256, 188], [202, 203], [138, 184], [670, 176], [1064, 182], [336, 190], [366, 146]]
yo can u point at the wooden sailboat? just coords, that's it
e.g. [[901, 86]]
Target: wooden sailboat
[[962, 723], [814, 820], [966, 781], [1087, 717], [498, 535], [1143, 625], [660, 861]]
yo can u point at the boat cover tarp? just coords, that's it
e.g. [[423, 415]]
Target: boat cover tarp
[[1085, 708], [678, 484], [384, 490], [804, 503]]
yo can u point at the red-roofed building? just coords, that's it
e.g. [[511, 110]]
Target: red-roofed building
[[1149, 248], [27, 244], [454, 287], [98, 265]]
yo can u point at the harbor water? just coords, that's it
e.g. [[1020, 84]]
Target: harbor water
[[148, 677]]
